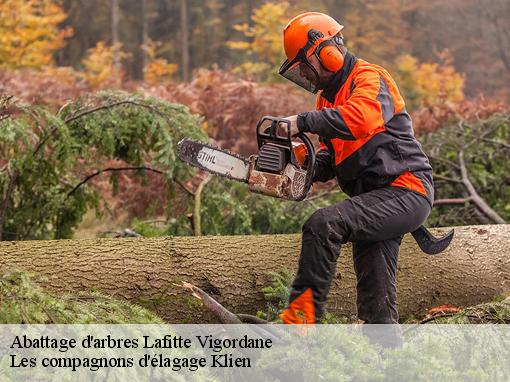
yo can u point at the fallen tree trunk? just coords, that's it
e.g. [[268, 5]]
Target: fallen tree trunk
[[234, 269]]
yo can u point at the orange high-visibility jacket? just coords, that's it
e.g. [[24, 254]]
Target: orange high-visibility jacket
[[366, 134]]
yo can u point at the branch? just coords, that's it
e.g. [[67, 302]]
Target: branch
[[186, 189], [5, 201], [93, 110], [73, 118], [497, 142], [220, 312], [433, 318], [437, 176], [453, 164], [482, 136], [110, 169], [197, 226], [442, 202], [474, 196], [251, 319]]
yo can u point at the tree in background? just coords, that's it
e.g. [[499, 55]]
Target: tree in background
[[157, 70], [474, 31], [428, 84], [379, 31], [101, 65], [264, 50], [374, 30], [91, 21], [30, 32]]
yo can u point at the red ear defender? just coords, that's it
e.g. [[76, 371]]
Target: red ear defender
[[330, 56]]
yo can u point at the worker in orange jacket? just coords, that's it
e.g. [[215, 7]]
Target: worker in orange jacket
[[367, 143]]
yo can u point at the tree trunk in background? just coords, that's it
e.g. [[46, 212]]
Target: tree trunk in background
[[184, 41], [249, 12], [115, 28], [234, 269], [145, 33]]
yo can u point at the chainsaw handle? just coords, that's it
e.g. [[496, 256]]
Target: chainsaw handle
[[271, 132]]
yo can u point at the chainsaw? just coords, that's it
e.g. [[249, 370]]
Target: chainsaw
[[282, 168]]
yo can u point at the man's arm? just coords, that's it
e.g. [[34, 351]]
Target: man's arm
[[369, 107], [323, 169]]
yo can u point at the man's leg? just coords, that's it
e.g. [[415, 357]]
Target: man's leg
[[378, 215], [320, 247], [375, 264]]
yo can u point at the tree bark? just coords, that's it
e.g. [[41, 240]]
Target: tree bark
[[234, 269]]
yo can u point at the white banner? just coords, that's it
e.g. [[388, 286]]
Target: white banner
[[255, 353]]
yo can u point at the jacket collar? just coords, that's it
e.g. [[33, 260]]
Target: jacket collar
[[339, 78]]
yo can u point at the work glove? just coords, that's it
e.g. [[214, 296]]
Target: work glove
[[293, 126]]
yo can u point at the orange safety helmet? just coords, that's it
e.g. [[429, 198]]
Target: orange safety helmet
[[311, 33]]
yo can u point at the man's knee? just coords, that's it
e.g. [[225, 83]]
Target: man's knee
[[326, 224], [317, 222]]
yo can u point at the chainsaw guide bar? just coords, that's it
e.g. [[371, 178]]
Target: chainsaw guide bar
[[214, 160]]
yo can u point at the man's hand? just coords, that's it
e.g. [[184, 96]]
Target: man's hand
[[293, 126]]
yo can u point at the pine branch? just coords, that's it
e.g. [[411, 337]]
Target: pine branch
[[5, 202], [110, 169]]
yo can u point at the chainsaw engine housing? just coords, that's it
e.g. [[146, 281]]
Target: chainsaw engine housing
[[276, 170], [272, 158], [290, 184]]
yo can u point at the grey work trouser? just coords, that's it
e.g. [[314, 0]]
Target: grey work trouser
[[375, 222]]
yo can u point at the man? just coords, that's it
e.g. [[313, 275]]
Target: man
[[367, 143]]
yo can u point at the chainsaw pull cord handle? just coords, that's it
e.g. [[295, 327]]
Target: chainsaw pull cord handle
[[310, 165]]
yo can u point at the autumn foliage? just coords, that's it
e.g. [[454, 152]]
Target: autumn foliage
[[264, 46], [232, 107], [30, 32], [230, 101], [157, 70], [429, 84], [433, 117]]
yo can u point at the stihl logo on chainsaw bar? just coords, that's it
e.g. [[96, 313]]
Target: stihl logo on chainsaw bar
[[205, 157]]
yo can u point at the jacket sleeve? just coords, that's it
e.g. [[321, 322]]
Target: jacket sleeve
[[369, 107], [323, 169]]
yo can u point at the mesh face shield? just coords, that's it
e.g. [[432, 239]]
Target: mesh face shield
[[301, 72]]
